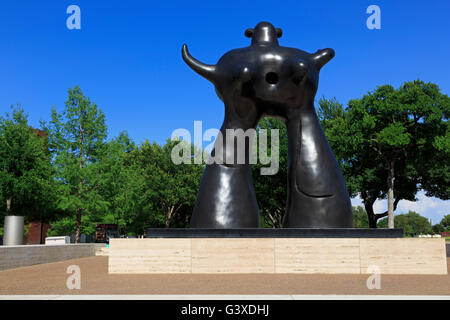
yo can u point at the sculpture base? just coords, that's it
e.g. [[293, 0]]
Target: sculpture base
[[277, 255], [273, 233]]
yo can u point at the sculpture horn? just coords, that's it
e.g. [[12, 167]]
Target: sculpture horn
[[321, 57], [205, 70]]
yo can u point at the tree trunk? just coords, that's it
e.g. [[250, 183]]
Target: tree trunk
[[8, 206], [390, 182], [80, 166], [168, 217], [371, 215], [40, 233], [272, 219], [78, 226], [368, 205], [372, 221], [276, 218]]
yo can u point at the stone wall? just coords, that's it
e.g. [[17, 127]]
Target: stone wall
[[27, 255]]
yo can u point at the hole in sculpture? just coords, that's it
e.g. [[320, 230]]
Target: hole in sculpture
[[272, 78]]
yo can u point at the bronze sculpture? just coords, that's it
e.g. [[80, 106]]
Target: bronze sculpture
[[265, 79]]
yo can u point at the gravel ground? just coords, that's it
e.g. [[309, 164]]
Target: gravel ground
[[50, 279]]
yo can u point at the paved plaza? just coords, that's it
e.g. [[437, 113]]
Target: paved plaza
[[51, 279]]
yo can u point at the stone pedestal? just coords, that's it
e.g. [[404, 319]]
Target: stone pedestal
[[255, 251]]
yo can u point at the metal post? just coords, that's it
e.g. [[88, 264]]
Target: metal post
[[13, 231]]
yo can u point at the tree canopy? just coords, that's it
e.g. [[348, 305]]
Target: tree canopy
[[391, 143], [76, 140], [271, 190], [360, 219], [170, 190], [412, 223], [26, 174]]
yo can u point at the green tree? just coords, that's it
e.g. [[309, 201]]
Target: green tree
[[64, 225], [360, 219], [445, 222], [391, 135], [122, 183], [438, 228], [76, 139], [443, 226], [412, 223], [271, 190], [26, 184], [170, 189]]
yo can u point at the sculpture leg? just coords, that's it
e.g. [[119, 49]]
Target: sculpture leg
[[317, 195], [226, 198]]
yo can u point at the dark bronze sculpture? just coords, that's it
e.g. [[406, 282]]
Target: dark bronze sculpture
[[266, 79]]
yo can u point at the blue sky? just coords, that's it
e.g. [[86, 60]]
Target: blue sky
[[126, 57]]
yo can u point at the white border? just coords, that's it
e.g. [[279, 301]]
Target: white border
[[222, 297]]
